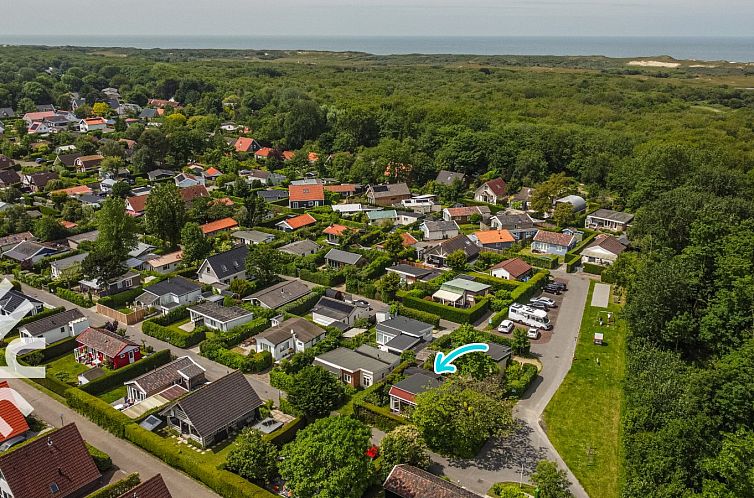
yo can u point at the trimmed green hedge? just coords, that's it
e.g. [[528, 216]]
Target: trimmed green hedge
[[115, 378], [122, 298], [236, 335], [518, 377], [118, 488], [101, 459], [422, 316], [224, 483], [287, 433], [378, 416], [593, 269], [325, 278], [304, 304], [173, 335], [571, 262], [457, 315], [97, 411], [215, 350], [53, 351], [532, 286], [176, 315], [74, 297]]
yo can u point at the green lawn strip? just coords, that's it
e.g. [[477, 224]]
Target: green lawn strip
[[66, 369], [583, 418], [113, 395]]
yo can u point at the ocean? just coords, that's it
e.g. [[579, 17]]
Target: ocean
[[733, 49]]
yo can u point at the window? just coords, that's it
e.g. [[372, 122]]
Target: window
[[62, 329], [54, 488], [347, 378], [367, 380]]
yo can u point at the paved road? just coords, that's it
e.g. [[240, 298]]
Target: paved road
[[516, 456], [126, 457]]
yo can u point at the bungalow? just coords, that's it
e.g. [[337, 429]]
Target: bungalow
[[37, 116], [494, 239], [578, 203], [461, 292], [500, 354], [296, 222], [305, 196], [97, 347], [182, 373], [224, 267], [6, 162], [464, 214], [244, 144], [189, 194], [218, 317], [67, 160], [76, 191], [136, 205], [13, 302], [294, 335], [218, 226], [252, 237], [92, 124], [328, 311], [57, 464], [209, 414], [169, 294], [448, 178], [28, 252], [38, 128], [262, 176], [127, 281], [337, 259], [74, 241], [388, 194], [420, 203], [603, 251], [406, 481], [520, 225], [211, 173], [273, 195], [184, 180], [279, 294], [439, 230], [160, 174], [361, 367], [67, 267], [406, 218], [300, 248], [382, 216], [54, 328], [606, 219], [552, 242], [512, 269], [403, 394], [401, 333], [492, 192], [151, 488], [37, 182], [411, 274], [335, 233], [266, 153], [165, 263], [86, 164], [344, 190], [436, 255]]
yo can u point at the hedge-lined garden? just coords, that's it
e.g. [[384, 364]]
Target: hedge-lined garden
[[115, 378], [218, 348], [160, 328], [457, 315]]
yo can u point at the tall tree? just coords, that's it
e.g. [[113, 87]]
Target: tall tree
[[253, 457], [165, 213], [315, 392], [403, 445], [196, 246], [263, 263]]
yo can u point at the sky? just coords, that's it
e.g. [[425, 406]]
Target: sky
[[379, 17]]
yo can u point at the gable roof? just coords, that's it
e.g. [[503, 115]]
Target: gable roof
[[306, 192], [389, 190], [165, 259], [359, 359], [515, 267], [138, 203], [553, 238], [497, 186], [175, 285], [512, 221], [59, 458], [408, 239], [439, 225], [407, 481], [216, 405], [27, 249], [104, 341], [299, 221], [9, 177], [494, 236], [12, 299], [345, 257], [188, 194], [445, 177], [335, 229], [304, 330], [300, 247], [217, 225], [418, 383], [42, 178], [229, 262], [281, 293], [468, 211], [403, 325], [220, 313], [254, 236], [459, 242], [12, 416], [152, 488], [333, 308], [608, 243], [244, 144], [164, 376], [52, 322], [609, 214]]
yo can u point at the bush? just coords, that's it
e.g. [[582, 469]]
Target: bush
[[422, 316], [518, 377], [280, 380], [325, 278], [593, 269], [304, 304], [121, 299], [173, 335], [571, 262], [236, 335], [74, 297], [215, 350], [173, 316], [533, 285], [101, 459], [378, 416], [115, 378], [118, 488], [287, 433], [457, 315], [97, 411]]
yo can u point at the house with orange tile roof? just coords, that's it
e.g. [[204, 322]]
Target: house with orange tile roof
[[15, 419], [345, 189], [494, 239], [212, 173], [313, 157], [214, 227], [91, 124], [135, 205], [335, 233], [305, 196], [296, 222], [464, 214], [68, 225], [74, 191], [288, 155], [225, 201], [245, 144], [266, 153]]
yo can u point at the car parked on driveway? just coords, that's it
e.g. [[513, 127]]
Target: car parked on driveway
[[546, 300], [532, 333], [552, 289], [538, 305], [506, 327]]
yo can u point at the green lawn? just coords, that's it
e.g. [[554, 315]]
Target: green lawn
[[66, 369], [583, 418], [113, 395]]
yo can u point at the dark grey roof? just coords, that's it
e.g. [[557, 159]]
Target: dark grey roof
[[515, 221], [160, 173], [345, 257], [90, 236], [52, 322], [273, 194], [220, 403], [281, 293], [69, 159], [445, 177], [498, 351], [64, 263], [403, 325], [460, 242], [617, 216], [148, 113], [305, 330], [176, 285], [252, 235], [300, 247], [440, 225], [402, 342], [354, 360], [7, 112], [229, 262], [163, 377], [27, 249], [419, 382], [333, 308], [389, 190], [13, 299], [219, 312], [9, 177]]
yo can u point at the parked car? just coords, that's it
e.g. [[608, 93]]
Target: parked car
[[546, 300], [552, 289], [537, 305], [506, 327], [533, 333], [559, 284]]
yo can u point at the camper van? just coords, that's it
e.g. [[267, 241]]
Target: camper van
[[529, 316]]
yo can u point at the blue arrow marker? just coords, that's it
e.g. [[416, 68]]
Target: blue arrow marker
[[444, 363]]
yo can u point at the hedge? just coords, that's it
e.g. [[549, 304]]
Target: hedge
[[173, 335], [236, 335], [422, 316], [54, 350], [287, 433], [496, 282], [499, 317], [215, 350], [101, 459], [571, 262], [593, 269], [122, 298], [97, 411], [114, 378], [326, 278], [39, 316], [378, 416], [118, 488], [518, 377], [30, 278], [74, 297], [457, 315], [224, 483], [303, 305], [533, 285], [176, 315]]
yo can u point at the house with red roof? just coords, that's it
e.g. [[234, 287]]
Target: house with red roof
[[492, 192], [296, 222], [100, 347], [92, 124], [245, 144], [306, 196], [552, 242], [189, 194], [11, 415], [335, 233], [265, 153], [345, 189], [135, 205], [463, 214], [212, 173], [37, 117], [74, 191], [512, 269], [214, 227], [288, 155], [84, 164]]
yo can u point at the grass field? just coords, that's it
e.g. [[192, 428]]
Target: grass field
[[66, 369], [583, 418]]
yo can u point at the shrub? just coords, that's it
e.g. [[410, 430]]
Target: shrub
[[97, 411], [378, 416], [215, 350], [173, 335], [518, 377], [117, 377], [422, 316], [173, 316], [457, 315], [325, 278], [101, 459], [287, 433], [533, 285], [74, 297], [118, 488], [280, 380], [304, 304], [236, 335], [571, 262], [121, 299], [593, 269]]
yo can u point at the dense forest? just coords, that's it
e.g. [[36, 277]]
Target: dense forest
[[675, 146]]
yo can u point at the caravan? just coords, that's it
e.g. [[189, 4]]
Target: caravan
[[529, 316]]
